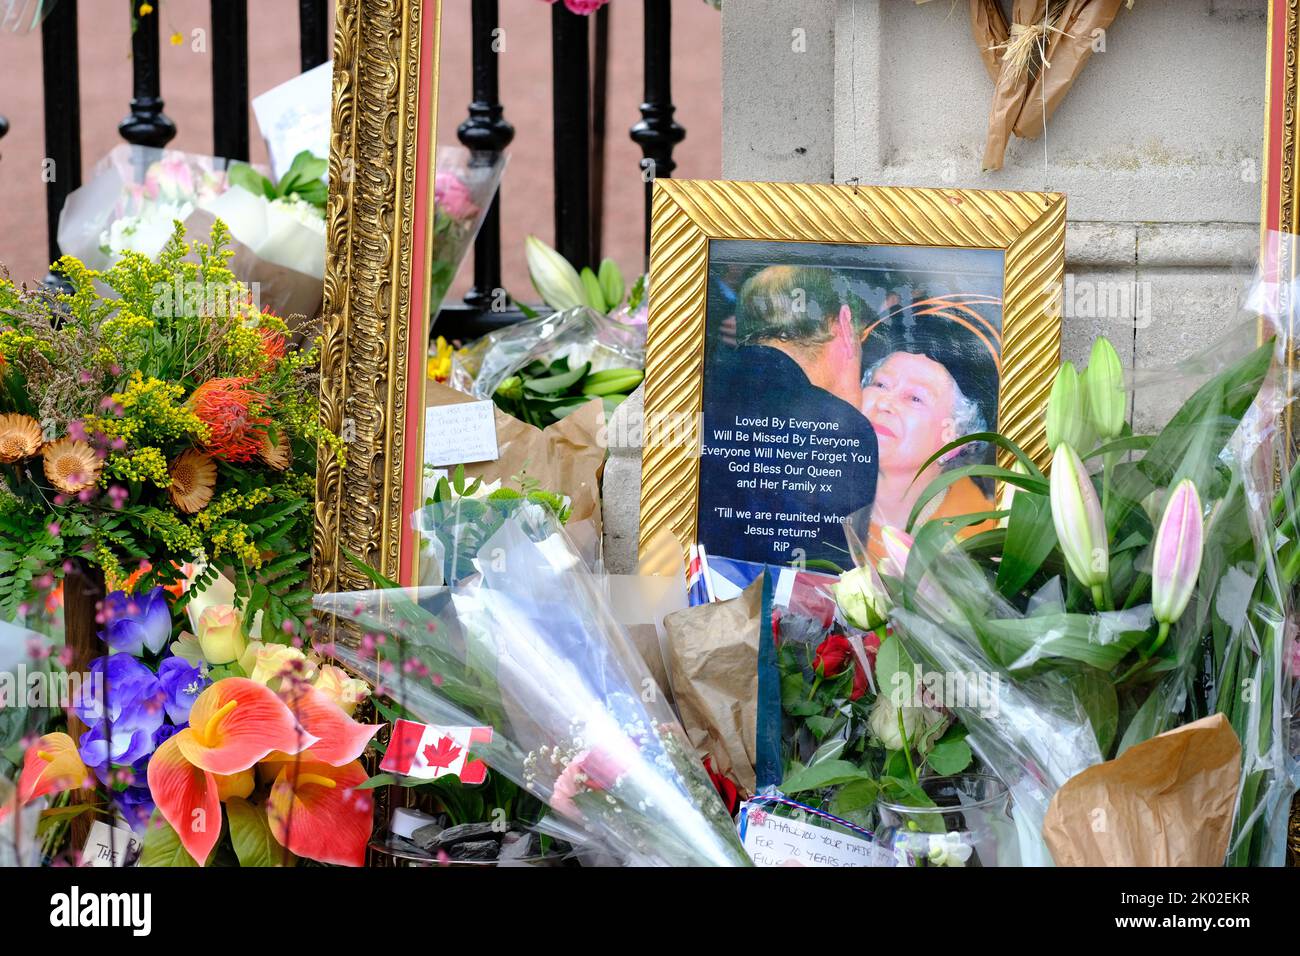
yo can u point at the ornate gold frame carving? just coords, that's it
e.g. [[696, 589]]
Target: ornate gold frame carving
[[1279, 205], [1029, 227], [385, 78]]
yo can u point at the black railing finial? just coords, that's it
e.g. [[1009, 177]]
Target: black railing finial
[[486, 133], [657, 132], [147, 124]]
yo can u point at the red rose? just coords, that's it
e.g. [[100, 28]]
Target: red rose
[[859, 681], [726, 789], [833, 655]]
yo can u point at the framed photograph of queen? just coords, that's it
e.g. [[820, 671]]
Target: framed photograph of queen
[[825, 342]]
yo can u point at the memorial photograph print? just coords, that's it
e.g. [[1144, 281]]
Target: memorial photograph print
[[820, 347], [834, 375]]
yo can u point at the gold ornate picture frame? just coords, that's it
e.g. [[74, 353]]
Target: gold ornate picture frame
[[1279, 201], [1028, 228], [379, 225]]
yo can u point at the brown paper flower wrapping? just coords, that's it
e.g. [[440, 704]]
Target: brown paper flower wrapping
[[1167, 801], [714, 666], [566, 458], [1027, 91]]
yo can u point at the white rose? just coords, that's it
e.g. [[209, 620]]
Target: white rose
[[884, 722]]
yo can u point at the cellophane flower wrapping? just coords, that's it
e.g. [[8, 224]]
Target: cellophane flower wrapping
[[580, 334], [136, 194], [1077, 681], [465, 184], [132, 199], [524, 640]]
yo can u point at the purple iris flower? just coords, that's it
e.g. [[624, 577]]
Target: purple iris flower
[[132, 690], [166, 731], [133, 623], [182, 682], [127, 744], [137, 806]]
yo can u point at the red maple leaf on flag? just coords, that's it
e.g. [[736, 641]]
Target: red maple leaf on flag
[[443, 754]]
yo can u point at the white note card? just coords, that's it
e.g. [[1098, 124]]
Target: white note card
[[460, 433], [773, 840], [109, 845]]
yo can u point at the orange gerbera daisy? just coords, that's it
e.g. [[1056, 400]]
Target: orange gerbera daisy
[[236, 431], [71, 466], [20, 437], [194, 478]]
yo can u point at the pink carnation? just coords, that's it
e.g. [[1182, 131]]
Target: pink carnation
[[452, 197], [583, 7]]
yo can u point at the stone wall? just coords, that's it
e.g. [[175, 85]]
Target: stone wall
[[1157, 147]]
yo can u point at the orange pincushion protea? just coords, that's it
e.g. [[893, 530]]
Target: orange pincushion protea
[[194, 478], [71, 466], [235, 432], [274, 344], [20, 437]]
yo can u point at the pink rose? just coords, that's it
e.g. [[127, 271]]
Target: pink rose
[[452, 197], [589, 770], [568, 785]]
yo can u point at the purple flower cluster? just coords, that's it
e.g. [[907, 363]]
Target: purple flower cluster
[[129, 707]]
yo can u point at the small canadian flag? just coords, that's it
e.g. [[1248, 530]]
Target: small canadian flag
[[427, 751]]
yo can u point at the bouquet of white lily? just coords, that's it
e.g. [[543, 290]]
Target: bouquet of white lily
[[1118, 603]]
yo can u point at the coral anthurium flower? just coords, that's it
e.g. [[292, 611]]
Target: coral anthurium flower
[[340, 739], [194, 478], [235, 430], [315, 812], [188, 798], [71, 466], [20, 437], [236, 785], [235, 723], [51, 765]]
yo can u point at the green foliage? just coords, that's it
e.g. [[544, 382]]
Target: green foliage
[[303, 179], [117, 364], [542, 393], [250, 833]]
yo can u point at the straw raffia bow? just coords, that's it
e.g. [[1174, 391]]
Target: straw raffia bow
[[1025, 41]]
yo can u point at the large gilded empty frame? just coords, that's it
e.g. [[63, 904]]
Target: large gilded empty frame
[[1280, 204], [376, 327], [696, 221]]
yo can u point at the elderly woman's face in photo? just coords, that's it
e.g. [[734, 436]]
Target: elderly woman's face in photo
[[910, 401]]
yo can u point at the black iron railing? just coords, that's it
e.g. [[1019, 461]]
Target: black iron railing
[[580, 55]]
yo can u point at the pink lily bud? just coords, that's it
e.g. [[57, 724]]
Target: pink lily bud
[[1180, 542], [898, 544], [1080, 524]]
